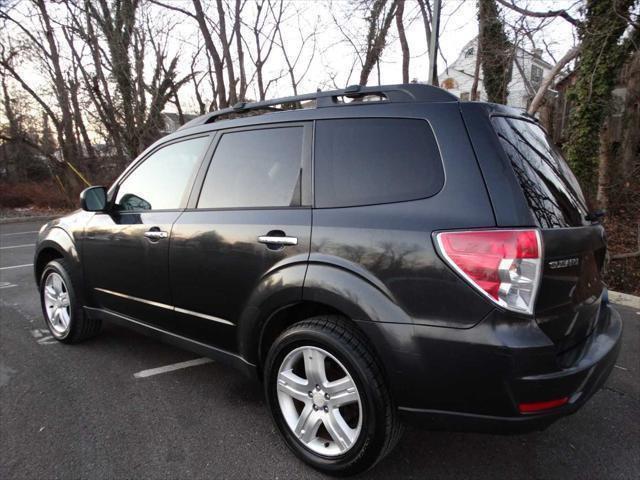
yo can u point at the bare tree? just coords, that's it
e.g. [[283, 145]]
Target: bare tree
[[264, 34], [119, 37], [404, 45], [379, 22], [293, 61], [237, 31], [43, 43], [203, 24]]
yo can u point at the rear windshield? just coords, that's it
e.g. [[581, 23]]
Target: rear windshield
[[550, 187]]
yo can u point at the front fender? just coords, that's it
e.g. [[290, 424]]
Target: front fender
[[58, 240], [61, 236]]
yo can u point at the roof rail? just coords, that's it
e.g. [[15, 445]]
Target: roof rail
[[413, 92]]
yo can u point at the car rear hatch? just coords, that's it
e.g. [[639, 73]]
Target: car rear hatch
[[574, 249]]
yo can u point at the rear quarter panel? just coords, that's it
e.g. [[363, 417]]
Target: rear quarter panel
[[390, 246]]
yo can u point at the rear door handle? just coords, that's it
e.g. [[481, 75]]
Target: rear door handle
[[155, 234], [276, 240]]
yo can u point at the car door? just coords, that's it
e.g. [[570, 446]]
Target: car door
[[126, 249], [252, 214]]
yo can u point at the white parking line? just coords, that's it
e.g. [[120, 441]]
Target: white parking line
[[172, 367], [19, 246], [43, 336], [17, 266], [7, 285], [17, 233]]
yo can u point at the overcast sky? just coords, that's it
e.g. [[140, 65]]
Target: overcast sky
[[332, 65], [334, 54]]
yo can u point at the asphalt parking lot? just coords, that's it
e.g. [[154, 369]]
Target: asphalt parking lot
[[82, 412]]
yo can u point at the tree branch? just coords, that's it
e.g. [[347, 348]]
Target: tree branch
[[549, 13], [544, 86]]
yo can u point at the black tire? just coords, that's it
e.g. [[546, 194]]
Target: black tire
[[80, 326], [380, 427]]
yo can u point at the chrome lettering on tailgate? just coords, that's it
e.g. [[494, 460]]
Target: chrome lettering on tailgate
[[564, 263]]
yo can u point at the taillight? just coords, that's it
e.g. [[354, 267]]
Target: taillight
[[504, 265]]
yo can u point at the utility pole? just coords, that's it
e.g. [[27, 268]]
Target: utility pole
[[433, 45]]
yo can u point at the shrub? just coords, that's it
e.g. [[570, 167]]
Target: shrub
[[45, 194]]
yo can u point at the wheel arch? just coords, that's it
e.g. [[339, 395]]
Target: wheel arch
[[320, 289], [44, 256], [56, 244]]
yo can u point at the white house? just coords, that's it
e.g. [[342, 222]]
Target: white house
[[528, 71]]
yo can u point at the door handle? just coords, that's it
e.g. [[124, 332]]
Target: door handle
[[277, 240], [155, 234]]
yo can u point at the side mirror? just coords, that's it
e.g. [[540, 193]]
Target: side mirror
[[94, 199]]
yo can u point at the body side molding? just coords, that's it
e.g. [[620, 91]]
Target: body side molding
[[167, 307], [228, 358]]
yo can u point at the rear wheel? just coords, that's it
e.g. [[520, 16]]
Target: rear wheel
[[328, 396], [62, 310]]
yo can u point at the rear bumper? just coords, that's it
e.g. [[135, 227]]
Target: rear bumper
[[477, 381]]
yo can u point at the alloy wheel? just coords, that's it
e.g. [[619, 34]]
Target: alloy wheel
[[319, 401], [57, 303]]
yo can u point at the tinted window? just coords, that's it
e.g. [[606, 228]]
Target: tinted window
[[367, 161], [161, 180], [255, 168], [550, 187]]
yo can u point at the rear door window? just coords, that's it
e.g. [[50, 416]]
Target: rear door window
[[255, 168], [371, 161], [550, 187]]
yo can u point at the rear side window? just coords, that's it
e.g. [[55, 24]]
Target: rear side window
[[369, 161], [550, 187], [255, 168]]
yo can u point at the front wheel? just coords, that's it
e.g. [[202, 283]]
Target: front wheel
[[328, 397], [61, 307]]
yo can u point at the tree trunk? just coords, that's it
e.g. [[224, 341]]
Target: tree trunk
[[226, 52], [497, 52], [546, 83], [604, 163], [240, 51], [600, 61], [476, 75], [404, 45], [630, 148], [376, 38], [66, 135], [213, 52]]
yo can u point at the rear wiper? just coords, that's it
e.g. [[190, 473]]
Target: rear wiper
[[595, 216]]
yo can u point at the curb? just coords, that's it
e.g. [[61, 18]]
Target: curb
[[625, 299], [42, 218]]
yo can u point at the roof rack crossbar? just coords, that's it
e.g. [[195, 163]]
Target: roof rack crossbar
[[391, 93]]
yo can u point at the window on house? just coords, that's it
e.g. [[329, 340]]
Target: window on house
[[469, 53], [536, 75]]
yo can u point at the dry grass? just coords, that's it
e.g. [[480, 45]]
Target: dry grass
[[43, 195]]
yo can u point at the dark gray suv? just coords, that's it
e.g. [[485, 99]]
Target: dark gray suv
[[385, 253]]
